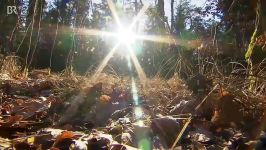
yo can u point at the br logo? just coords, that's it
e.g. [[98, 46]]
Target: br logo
[[11, 10]]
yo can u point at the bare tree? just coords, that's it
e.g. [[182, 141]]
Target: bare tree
[[160, 7], [172, 15]]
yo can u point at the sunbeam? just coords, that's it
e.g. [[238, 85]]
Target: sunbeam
[[159, 39], [125, 36], [134, 92], [97, 32], [114, 13], [140, 14], [104, 63], [138, 67]]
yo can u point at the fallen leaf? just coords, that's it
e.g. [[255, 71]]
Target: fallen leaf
[[104, 99], [64, 135], [14, 119]]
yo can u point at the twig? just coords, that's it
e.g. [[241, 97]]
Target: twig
[[214, 88], [32, 27], [181, 132], [24, 37], [38, 33], [232, 5], [52, 50]]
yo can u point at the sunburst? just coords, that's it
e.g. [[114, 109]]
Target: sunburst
[[126, 36]]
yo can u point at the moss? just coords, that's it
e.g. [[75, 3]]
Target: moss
[[251, 45]]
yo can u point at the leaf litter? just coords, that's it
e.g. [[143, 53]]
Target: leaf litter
[[58, 112]]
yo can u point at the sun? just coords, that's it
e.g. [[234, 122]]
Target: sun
[[126, 36]]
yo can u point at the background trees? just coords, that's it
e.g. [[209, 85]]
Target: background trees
[[50, 33]]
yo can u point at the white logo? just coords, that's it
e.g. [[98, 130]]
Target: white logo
[[11, 10]]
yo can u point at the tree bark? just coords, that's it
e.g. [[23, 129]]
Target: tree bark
[[172, 15], [250, 51], [31, 12], [160, 8], [263, 16]]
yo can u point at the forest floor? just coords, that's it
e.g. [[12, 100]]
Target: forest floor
[[57, 111]]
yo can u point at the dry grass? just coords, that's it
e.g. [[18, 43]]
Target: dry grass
[[157, 91], [165, 92], [10, 65], [236, 76]]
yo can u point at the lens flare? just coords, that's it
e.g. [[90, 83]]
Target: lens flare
[[126, 36], [140, 123], [138, 67], [138, 113], [129, 65], [104, 63], [134, 93], [114, 13]]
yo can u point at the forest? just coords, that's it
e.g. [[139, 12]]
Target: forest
[[132, 74]]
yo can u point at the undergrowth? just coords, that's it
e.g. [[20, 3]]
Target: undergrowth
[[10, 65]]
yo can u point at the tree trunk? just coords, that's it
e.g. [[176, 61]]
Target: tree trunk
[[263, 16], [161, 16], [38, 10], [160, 8], [136, 12], [172, 15], [251, 52]]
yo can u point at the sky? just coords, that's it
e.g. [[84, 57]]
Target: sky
[[167, 5]]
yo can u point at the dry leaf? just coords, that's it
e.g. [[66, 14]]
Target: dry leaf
[[14, 119], [104, 99], [64, 135]]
